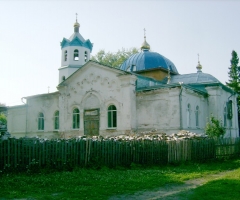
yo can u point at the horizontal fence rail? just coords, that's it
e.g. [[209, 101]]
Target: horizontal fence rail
[[27, 152]]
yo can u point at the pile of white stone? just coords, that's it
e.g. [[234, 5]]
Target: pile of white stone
[[154, 135]]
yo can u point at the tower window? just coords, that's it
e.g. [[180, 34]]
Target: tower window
[[63, 78], [86, 56], [112, 116], [75, 55], [65, 55]]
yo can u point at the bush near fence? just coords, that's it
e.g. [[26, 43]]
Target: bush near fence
[[82, 152]]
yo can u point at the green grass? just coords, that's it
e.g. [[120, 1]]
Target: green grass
[[104, 183], [225, 188]]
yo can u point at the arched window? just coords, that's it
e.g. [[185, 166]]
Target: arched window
[[65, 55], [197, 116], [112, 116], [76, 119], [188, 115], [75, 55], [56, 120], [225, 117], [40, 121], [86, 56], [63, 78]]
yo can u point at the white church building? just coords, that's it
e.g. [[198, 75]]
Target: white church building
[[145, 93]]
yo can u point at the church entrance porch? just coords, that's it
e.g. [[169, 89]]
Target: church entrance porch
[[91, 122]]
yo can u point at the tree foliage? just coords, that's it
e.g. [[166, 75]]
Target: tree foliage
[[3, 118], [114, 59], [234, 73], [214, 128]]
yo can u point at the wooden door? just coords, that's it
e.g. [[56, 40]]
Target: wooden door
[[91, 122]]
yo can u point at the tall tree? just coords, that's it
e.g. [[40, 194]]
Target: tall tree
[[234, 73], [114, 59]]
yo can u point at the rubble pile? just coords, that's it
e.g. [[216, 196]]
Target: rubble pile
[[153, 135]]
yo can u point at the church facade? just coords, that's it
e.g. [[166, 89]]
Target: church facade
[[145, 93]]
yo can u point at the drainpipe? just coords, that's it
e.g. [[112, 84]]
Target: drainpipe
[[26, 115], [180, 104]]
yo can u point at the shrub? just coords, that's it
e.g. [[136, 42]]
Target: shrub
[[214, 128]]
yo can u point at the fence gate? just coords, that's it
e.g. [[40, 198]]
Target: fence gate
[[91, 122]]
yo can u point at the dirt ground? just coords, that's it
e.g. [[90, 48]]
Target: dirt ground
[[170, 191]]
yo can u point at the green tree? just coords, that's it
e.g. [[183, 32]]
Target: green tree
[[114, 59], [234, 79], [214, 128], [3, 118]]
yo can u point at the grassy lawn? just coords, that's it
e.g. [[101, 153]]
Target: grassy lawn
[[105, 182], [226, 188]]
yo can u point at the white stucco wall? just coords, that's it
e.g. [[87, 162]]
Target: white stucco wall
[[160, 109], [194, 99], [16, 120], [46, 104], [218, 99], [96, 86]]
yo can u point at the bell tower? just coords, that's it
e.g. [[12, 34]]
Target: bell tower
[[75, 53]]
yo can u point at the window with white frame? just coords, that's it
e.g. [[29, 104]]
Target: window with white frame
[[65, 55], [112, 116], [75, 55], [188, 115], [56, 120], [197, 116], [40, 121], [76, 119]]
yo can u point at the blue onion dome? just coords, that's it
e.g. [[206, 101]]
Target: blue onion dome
[[147, 60]]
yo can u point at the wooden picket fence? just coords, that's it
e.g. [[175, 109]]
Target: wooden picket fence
[[26, 152]]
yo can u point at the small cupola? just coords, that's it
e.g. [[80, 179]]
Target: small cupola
[[76, 26], [145, 46]]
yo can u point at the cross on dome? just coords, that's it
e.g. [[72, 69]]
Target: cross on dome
[[199, 66], [76, 17], [145, 46]]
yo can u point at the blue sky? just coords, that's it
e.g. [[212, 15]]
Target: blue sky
[[31, 32]]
